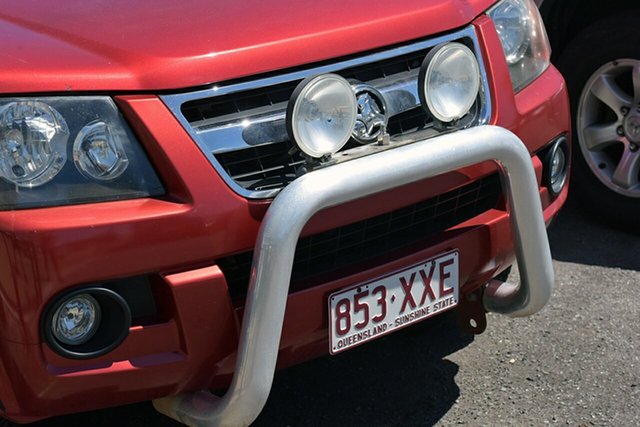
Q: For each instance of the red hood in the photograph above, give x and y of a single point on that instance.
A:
(81, 45)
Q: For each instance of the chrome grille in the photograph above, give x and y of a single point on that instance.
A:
(241, 129)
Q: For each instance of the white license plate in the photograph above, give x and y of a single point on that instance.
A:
(364, 312)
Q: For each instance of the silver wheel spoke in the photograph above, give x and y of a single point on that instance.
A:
(636, 84)
(626, 173)
(598, 137)
(607, 90)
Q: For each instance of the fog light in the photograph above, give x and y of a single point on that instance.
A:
(449, 82)
(86, 323)
(321, 114)
(76, 320)
(557, 166)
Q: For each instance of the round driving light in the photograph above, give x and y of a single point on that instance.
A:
(321, 114)
(76, 320)
(557, 166)
(449, 81)
(33, 143)
(98, 152)
(513, 25)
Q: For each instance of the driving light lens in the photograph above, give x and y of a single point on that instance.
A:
(76, 320)
(33, 137)
(449, 81)
(321, 114)
(98, 153)
(524, 40)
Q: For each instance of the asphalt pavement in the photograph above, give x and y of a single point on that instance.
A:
(576, 363)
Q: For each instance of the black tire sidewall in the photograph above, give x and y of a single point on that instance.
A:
(610, 39)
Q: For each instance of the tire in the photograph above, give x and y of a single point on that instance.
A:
(602, 61)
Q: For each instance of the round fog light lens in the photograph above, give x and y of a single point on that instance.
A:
(76, 320)
(321, 114)
(449, 81)
(558, 169)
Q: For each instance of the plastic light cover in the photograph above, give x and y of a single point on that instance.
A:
(98, 152)
(33, 146)
(321, 114)
(449, 81)
(524, 40)
(557, 167)
(69, 150)
(76, 320)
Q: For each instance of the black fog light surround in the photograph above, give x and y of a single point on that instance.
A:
(86, 323)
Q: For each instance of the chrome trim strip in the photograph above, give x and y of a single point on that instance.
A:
(299, 201)
(218, 139)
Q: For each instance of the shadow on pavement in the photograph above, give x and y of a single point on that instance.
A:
(374, 384)
(578, 237)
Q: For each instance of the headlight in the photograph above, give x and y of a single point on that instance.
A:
(524, 40)
(449, 81)
(321, 114)
(33, 147)
(69, 150)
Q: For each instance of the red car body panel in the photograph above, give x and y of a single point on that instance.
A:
(176, 239)
(137, 45)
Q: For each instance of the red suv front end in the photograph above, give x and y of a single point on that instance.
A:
(142, 147)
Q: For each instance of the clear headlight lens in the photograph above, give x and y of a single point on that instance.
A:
(449, 81)
(33, 138)
(321, 114)
(69, 150)
(98, 153)
(524, 40)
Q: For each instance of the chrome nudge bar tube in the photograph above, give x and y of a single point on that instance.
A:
(298, 202)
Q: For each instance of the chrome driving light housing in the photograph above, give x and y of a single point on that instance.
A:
(321, 115)
(69, 150)
(76, 320)
(523, 38)
(449, 82)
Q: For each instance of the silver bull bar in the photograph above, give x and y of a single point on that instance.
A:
(323, 188)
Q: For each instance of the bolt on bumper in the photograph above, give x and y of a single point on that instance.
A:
(323, 188)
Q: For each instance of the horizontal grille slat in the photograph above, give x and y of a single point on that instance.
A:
(323, 253)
